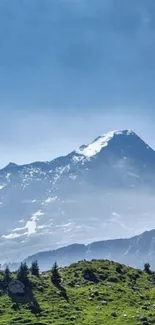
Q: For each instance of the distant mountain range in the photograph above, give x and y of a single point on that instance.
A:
(135, 251)
(103, 190)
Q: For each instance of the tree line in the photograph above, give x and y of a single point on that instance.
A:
(24, 271)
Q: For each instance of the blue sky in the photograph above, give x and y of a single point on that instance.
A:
(71, 70)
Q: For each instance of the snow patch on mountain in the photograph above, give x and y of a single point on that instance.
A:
(31, 224)
(55, 178)
(77, 158)
(63, 169)
(11, 236)
(95, 147)
(2, 186)
(50, 199)
(8, 177)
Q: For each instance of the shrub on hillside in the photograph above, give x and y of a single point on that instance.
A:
(147, 268)
(119, 268)
(113, 279)
(89, 274)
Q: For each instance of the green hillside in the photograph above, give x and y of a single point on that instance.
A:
(91, 293)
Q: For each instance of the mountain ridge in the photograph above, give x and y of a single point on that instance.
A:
(109, 135)
(134, 251)
(75, 198)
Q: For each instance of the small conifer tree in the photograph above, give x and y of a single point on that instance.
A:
(22, 274)
(55, 275)
(7, 274)
(35, 268)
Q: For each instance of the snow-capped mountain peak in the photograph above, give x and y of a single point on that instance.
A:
(95, 147)
(91, 194)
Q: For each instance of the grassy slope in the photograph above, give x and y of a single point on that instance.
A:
(130, 294)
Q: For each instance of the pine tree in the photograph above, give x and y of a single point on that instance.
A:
(22, 274)
(55, 276)
(35, 268)
(7, 274)
(147, 268)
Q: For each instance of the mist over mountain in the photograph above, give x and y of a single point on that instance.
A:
(134, 251)
(103, 190)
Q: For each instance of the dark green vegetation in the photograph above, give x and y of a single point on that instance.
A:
(35, 268)
(55, 275)
(97, 292)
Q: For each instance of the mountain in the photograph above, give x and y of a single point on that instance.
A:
(96, 292)
(134, 251)
(103, 190)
